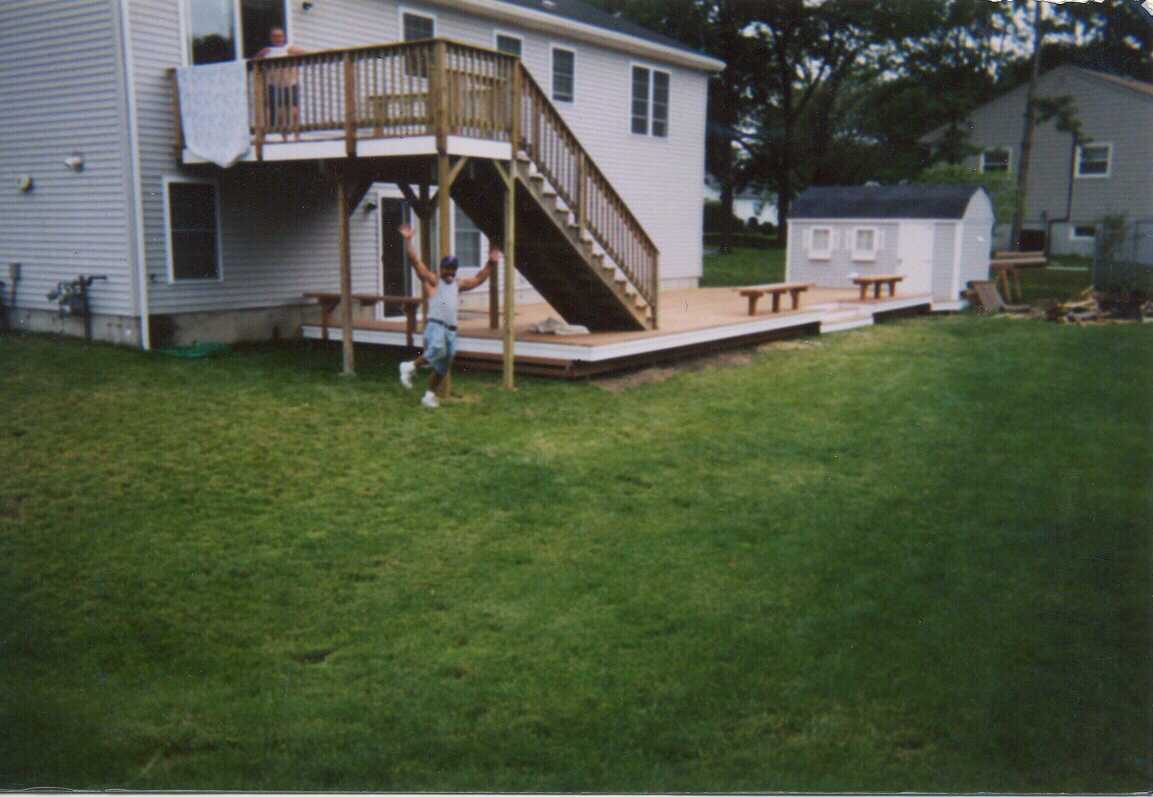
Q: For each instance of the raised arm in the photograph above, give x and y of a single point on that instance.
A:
(495, 258)
(426, 276)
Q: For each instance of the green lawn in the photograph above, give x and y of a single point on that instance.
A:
(912, 557)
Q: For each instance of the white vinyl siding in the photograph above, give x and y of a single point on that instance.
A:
(62, 93)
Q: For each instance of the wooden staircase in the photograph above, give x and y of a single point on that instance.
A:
(578, 244)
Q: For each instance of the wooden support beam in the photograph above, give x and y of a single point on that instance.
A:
(350, 110)
(343, 190)
(453, 174)
(509, 272)
(425, 246)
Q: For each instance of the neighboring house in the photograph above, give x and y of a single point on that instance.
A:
(226, 253)
(747, 204)
(936, 236)
(1071, 186)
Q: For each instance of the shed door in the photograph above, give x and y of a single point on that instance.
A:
(915, 257)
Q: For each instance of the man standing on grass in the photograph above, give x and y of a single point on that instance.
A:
(440, 326)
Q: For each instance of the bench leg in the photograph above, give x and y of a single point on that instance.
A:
(776, 302)
(864, 292)
(753, 304)
(409, 324)
(876, 290)
(795, 295)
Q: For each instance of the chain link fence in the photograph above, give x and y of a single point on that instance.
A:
(1123, 255)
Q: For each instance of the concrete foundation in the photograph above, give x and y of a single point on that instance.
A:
(123, 330)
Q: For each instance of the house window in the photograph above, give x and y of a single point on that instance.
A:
(466, 239)
(193, 213)
(1083, 232)
(563, 74)
(417, 27)
(820, 243)
(217, 27)
(507, 43)
(1093, 160)
(650, 106)
(996, 160)
(866, 242)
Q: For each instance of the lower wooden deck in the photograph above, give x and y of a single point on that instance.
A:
(693, 321)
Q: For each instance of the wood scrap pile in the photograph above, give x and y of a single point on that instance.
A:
(1092, 307)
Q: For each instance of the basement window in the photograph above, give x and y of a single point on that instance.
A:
(1083, 232)
(820, 243)
(997, 160)
(192, 209)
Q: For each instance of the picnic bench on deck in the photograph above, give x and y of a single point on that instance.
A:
(776, 290)
(329, 301)
(876, 281)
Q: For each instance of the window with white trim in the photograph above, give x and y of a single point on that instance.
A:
(507, 43)
(866, 242)
(650, 102)
(1094, 160)
(996, 160)
(563, 74)
(1083, 232)
(192, 208)
(466, 239)
(820, 243)
(216, 28)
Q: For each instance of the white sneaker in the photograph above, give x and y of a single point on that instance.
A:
(406, 370)
(429, 400)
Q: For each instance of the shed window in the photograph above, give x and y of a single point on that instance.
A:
(193, 231)
(1083, 232)
(563, 74)
(866, 241)
(996, 160)
(820, 243)
(1093, 160)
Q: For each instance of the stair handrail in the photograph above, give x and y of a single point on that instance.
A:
(643, 275)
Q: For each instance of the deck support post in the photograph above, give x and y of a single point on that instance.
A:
(344, 189)
(508, 340)
(444, 227)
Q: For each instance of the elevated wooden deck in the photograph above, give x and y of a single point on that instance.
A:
(694, 321)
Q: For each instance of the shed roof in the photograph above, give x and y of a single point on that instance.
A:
(884, 202)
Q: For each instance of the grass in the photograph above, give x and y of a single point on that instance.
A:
(914, 557)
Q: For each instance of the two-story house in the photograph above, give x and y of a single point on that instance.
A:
(1072, 184)
(602, 121)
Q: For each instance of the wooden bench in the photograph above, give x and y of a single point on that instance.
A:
(329, 301)
(875, 282)
(776, 290)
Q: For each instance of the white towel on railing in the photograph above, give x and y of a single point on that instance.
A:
(214, 110)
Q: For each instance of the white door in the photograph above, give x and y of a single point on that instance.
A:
(915, 257)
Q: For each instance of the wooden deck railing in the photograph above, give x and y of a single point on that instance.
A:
(441, 88)
(598, 208)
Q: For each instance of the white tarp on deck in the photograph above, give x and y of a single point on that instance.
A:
(214, 111)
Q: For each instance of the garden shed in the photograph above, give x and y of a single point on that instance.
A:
(938, 237)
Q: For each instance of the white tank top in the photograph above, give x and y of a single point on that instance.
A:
(442, 305)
